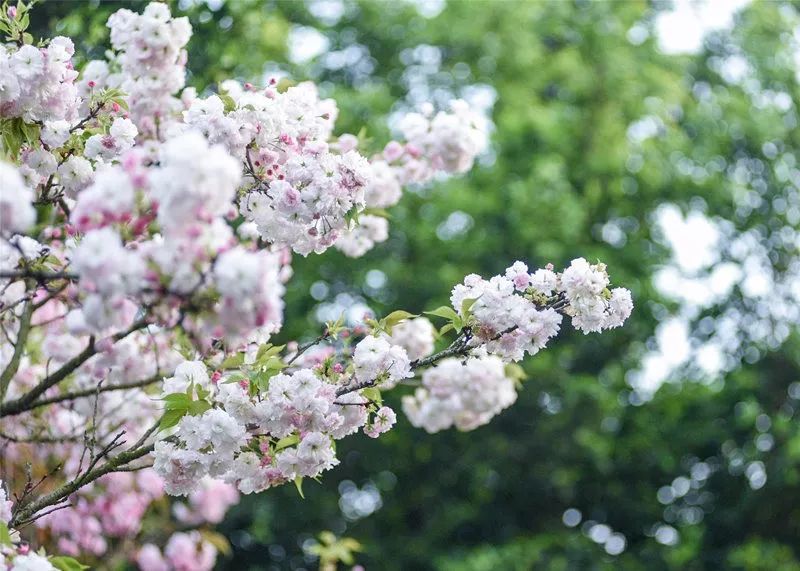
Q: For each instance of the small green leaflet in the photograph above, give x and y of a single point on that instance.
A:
(5, 535)
(387, 323)
(298, 483)
(448, 313)
(467, 304)
(373, 394)
(171, 418)
(63, 563)
(444, 311)
(233, 362)
(287, 441)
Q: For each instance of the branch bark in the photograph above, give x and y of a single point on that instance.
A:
(24, 402)
(27, 512)
(19, 349)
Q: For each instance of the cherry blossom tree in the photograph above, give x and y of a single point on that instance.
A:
(146, 239)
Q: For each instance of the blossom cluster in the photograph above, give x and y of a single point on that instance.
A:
(255, 443)
(38, 84)
(509, 316)
(151, 60)
(519, 312)
(462, 393)
(443, 143)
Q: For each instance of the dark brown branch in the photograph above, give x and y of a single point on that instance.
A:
(89, 392)
(24, 402)
(26, 512)
(19, 348)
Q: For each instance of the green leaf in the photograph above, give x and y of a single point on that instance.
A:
(176, 401)
(445, 328)
(287, 441)
(233, 362)
(198, 407)
(467, 304)
(274, 364)
(171, 418)
(381, 212)
(234, 378)
(5, 534)
(373, 394)
(352, 216)
(298, 483)
(268, 350)
(444, 311)
(64, 563)
(217, 540)
(227, 100)
(515, 371)
(396, 317)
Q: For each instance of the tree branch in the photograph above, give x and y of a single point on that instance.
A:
(39, 276)
(24, 402)
(89, 392)
(19, 349)
(28, 511)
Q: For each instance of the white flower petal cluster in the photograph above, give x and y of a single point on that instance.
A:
(251, 290)
(415, 335)
(584, 286)
(383, 421)
(307, 206)
(509, 323)
(17, 213)
(215, 434)
(152, 62)
(450, 141)
(186, 374)
(5, 505)
(120, 138)
(37, 84)
(300, 401)
(75, 173)
(360, 239)
(194, 182)
(109, 273)
(110, 198)
(376, 359)
(461, 393)
(518, 312)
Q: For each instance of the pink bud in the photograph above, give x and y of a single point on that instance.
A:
(12, 12)
(92, 84)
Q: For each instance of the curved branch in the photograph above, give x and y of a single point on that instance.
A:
(90, 392)
(28, 512)
(24, 402)
(39, 276)
(19, 349)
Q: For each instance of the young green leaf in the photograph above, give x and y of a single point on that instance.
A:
(171, 418)
(445, 312)
(287, 441)
(64, 563)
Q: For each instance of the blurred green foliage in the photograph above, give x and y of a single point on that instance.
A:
(570, 79)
